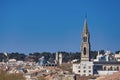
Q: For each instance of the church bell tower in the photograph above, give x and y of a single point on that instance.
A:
(85, 46)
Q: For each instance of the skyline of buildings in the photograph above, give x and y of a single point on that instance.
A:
(101, 65)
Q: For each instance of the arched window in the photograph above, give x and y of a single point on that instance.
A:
(118, 68)
(105, 68)
(84, 51)
(111, 68)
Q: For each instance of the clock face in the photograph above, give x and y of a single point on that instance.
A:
(84, 39)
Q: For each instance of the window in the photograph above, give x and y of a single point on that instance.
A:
(84, 71)
(78, 67)
(105, 68)
(84, 74)
(84, 67)
(79, 71)
(89, 74)
(89, 71)
(111, 68)
(84, 51)
(117, 67)
(89, 67)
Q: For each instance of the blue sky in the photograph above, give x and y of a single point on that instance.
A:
(56, 25)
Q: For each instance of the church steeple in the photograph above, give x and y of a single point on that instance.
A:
(85, 47)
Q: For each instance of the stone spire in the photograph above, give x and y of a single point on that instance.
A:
(85, 47)
(85, 29)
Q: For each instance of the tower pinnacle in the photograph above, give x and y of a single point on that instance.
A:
(85, 29)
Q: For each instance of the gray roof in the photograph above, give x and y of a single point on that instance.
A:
(107, 63)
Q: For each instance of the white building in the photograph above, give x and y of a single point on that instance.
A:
(58, 58)
(84, 68)
(117, 56)
(108, 56)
